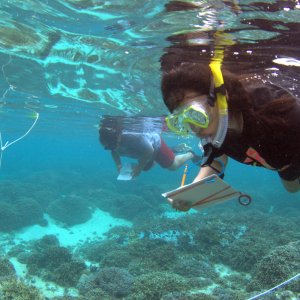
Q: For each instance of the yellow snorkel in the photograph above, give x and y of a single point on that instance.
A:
(219, 88)
(180, 120)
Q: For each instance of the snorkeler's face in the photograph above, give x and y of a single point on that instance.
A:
(110, 138)
(113, 144)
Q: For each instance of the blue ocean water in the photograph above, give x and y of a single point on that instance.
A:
(68, 227)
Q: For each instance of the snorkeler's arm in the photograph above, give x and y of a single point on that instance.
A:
(142, 162)
(216, 167)
(140, 166)
(117, 159)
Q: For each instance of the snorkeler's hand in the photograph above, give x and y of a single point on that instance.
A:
(181, 205)
(136, 170)
(196, 159)
(119, 167)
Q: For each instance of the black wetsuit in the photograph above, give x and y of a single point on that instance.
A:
(259, 146)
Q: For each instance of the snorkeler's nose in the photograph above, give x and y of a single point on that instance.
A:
(198, 131)
(195, 128)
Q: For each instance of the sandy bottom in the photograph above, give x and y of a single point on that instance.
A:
(74, 236)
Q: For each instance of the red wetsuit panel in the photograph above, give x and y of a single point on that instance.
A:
(165, 156)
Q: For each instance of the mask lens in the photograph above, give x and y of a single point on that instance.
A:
(196, 115)
(180, 121)
(175, 124)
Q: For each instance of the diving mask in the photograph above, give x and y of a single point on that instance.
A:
(179, 122)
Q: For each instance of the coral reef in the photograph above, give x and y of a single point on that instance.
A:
(133, 207)
(96, 294)
(127, 206)
(8, 217)
(7, 270)
(70, 210)
(52, 262)
(17, 290)
(155, 285)
(188, 296)
(19, 213)
(160, 256)
(116, 282)
(117, 258)
(228, 294)
(194, 266)
(229, 252)
(279, 265)
(242, 243)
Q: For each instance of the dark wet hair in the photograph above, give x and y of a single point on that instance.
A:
(185, 77)
(266, 103)
(109, 138)
(197, 78)
(109, 132)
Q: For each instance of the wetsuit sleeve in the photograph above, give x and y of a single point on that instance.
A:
(291, 173)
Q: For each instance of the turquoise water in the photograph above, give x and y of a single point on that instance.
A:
(64, 64)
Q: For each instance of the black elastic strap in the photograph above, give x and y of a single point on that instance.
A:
(219, 173)
(221, 89)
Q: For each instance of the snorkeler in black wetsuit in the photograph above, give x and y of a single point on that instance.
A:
(263, 129)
